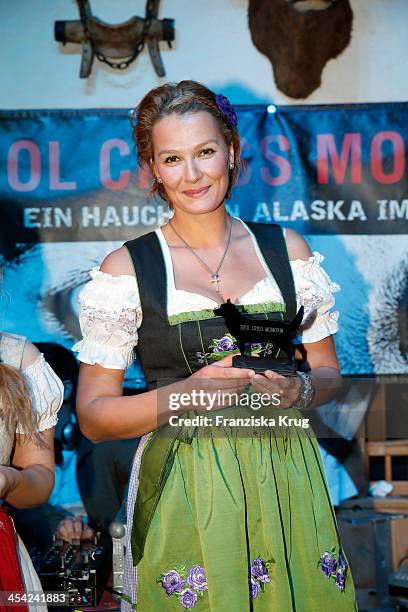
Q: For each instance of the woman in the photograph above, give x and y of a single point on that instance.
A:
(30, 397)
(219, 523)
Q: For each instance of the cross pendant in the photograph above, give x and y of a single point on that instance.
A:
(216, 279)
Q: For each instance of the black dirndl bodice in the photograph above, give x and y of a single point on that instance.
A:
(171, 348)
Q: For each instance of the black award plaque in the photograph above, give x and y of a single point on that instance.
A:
(276, 338)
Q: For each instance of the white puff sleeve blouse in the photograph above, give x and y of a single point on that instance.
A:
(315, 291)
(109, 316)
(46, 391)
(110, 310)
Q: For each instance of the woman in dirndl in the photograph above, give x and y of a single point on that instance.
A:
(216, 520)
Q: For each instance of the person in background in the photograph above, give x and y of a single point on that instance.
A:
(90, 479)
(30, 397)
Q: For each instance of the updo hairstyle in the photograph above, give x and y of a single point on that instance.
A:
(181, 98)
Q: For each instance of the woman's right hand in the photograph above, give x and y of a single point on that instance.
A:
(223, 368)
(216, 386)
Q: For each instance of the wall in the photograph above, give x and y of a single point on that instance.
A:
(212, 45)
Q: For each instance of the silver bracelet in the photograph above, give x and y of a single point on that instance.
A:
(307, 391)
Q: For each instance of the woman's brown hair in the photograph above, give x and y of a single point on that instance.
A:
(180, 98)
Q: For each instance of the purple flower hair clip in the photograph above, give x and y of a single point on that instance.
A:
(226, 111)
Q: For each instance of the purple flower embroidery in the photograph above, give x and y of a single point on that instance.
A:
(328, 564)
(197, 578)
(187, 591)
(336, 569)
(226, 344)
(253, 588)
(259, 570)
(188, 598)
(226, 111)
(259, 576)
(223, 345)
(341, 579)
(172, 582)
(342, 563)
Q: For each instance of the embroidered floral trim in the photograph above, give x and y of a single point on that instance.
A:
(259, 576)
(221, 347)
(254, 588)
(187, 590)
(334, 568)
(188, 598)
(190, 589)
(227, 345)
(197, 578)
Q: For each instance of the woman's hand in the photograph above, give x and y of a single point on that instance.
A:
(215, 386)
(286, 387)
(223, 369)
(73, 528)
(8, 480)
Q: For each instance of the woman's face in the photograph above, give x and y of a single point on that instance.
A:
(192, 159)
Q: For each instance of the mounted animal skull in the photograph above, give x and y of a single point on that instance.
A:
(299, 37)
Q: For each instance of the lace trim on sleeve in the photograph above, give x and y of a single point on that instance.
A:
(315, 291)
(109, 315)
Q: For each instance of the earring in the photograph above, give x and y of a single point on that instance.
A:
(231, 165)
(158, 179)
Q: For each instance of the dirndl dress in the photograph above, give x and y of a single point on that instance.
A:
(215, 523)
(233, 522)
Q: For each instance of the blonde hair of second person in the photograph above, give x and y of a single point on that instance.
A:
(29, 479)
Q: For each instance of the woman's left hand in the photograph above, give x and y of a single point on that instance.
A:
(287, 388)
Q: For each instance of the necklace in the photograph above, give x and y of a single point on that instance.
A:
(215, 277)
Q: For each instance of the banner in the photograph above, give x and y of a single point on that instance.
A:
(71, 191)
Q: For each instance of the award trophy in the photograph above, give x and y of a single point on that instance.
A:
(277, 352)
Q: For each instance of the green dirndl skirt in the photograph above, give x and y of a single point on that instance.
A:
(245, 523)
